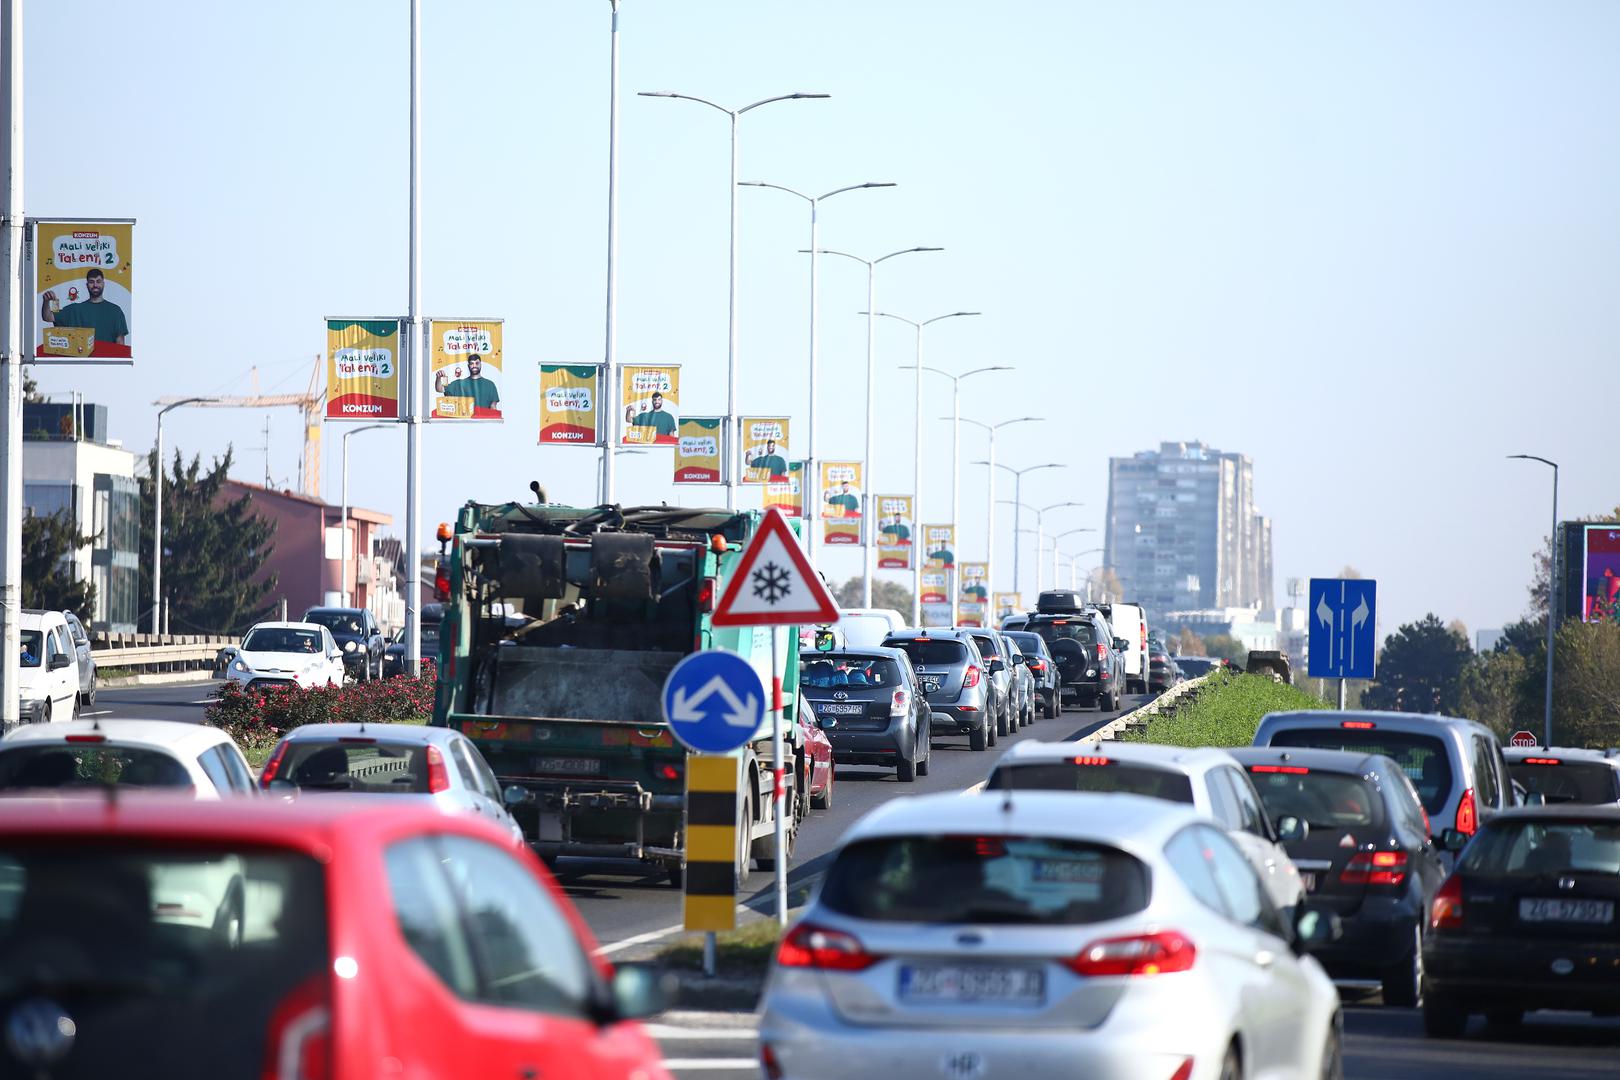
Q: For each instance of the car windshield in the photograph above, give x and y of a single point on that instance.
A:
(1066, 630)
(1422, 757)
(1323, 799)
(984, 879)
(931, 653)
(175, 962)
(339, 622)
(1567, 781)
(831, 669)
(88, 765)
(33, 648)
(1545, 847)
(281, 639)
(363, 765)
(1096, 774)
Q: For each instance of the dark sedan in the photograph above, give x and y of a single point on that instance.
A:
(394, 656)
(1038, 658)
(1366, 855)
(868, 705)
(1162, 671)
(356, 632)
(1527, 919)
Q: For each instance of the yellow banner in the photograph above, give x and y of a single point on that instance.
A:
(568, 403)
(895, 529)
(83, 291)
(651, 399)
(464, 357)
(788, 497)
(1008, 603)
(939, 546)
(973, 593)
(362, 369)
(841, 493)
(765, 449)
(697, 452)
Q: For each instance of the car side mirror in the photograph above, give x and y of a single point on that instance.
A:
(1453, 840)
(638, 991)
(60, 660)
(1314, 927)
(1292, 830)
(516, 795)
(1121, 645)
(997, 664)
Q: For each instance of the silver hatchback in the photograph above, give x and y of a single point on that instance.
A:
(955, 680)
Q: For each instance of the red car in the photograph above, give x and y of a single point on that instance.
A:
(146, 938)
(818, 749)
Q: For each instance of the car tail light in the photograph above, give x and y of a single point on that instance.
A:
(1387, 868)
(768, 1063)
(706, 596)
(971, 679)
(441, 583)
(1142, 954)
(1184, 1071)
(1446, 913)
(1467, 814)
(900, 703)
(273, 766)
(1291, 770)
(1358, 725)
(1092, 761)
(87, 738)
(438, 775)
(1527, 761)
(1036, 665)
(300, 1042)
(1102, 651)
(810, 946)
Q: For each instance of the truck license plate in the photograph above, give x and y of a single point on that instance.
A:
(573, 766)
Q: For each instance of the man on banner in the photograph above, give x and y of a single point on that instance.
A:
(662, 423)
(774, 465)
(483, 392)
(95, 313)
(845, 501)
(896, 532)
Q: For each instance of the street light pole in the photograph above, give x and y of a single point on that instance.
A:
(1552, 607)
(11, 358)
(990, 508)
(811, 482)
(867, 548)
(1018, 502)
(730, 470)
(157, 516)
(343, 519)
(610, 350)
(916, 462)
(1055, 540)
(414, 376)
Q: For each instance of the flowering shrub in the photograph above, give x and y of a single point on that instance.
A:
(258, 718)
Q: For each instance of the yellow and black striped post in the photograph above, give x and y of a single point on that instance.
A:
(711, 842)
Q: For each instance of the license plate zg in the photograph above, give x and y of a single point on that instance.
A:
(1596, 912)
(841, 708)
(573, 766)
(965, 984)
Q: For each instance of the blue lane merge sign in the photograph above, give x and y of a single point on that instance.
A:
(714, 701)
(1344, 628)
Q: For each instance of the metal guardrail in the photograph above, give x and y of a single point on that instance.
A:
(1138, 716)
(158, 652)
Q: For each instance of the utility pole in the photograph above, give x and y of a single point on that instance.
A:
(11, 354)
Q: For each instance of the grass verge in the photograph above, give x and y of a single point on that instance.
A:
(1226, 712)
(746, 950)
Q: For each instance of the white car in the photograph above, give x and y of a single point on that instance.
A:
(48, 669)
(1210, 780)
(287, 654)
(865, 628)
(167, 754)
(1039, 934)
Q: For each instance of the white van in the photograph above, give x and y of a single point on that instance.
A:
(48, 670)
(1129, 621)
(865, 628)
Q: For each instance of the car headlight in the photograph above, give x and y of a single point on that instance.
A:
(237, 665)
(348, 646)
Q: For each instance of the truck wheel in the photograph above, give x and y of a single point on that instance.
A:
(677, 876)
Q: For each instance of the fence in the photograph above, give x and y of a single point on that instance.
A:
(148, 653)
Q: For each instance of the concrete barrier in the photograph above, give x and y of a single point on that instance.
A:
(1139, 716)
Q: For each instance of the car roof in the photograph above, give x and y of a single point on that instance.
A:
(944, 633)
(1606, 812)
(1573, 753)
(1118, 820)
(1411, 723)
(405, 733)
(334, 610)
(168, 734)
(872, 652)
(284, 626)
(1187, 758)
(33, 620)
(1340, 761)
(884, 612)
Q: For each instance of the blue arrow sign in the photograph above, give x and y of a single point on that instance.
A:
(714, 701)
(1343, 614)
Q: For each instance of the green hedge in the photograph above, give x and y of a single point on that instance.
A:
(257, 719)
(1225, 712)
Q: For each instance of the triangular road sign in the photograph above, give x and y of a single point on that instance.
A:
(773, 583)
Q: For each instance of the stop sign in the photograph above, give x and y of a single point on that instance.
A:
(1524, 738)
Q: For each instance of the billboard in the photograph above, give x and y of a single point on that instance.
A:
(788, 496)
(697, 450)
(568, 404)
(1600, 573)
(765, 449)
(651, 398)
(464, 357)
(973, 594)
(1007, 603)
(841, 493)
(936, 586)
(939, 546)
(82, 292)
(895, 526)
(362, 369)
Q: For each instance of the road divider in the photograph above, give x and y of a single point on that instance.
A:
(1138, 717)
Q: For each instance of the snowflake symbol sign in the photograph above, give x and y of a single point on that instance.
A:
(771, 584)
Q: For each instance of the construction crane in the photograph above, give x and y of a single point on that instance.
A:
(312, 401)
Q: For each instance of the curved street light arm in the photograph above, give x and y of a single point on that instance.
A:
(799, 96)
(686, 97)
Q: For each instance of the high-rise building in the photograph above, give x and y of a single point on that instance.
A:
(1182, 531)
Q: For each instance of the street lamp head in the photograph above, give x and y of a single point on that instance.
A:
(656, 93)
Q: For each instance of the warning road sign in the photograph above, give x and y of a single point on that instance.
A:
(1524, 738)
(774, 583)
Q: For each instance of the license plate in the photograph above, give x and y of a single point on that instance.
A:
(963, 1065)
(1570, 911)
(952, 984)
(574, 766)
(931, 683)
(841, 708)
(1308, 880)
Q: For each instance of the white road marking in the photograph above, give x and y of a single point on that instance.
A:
(667, 1031)
(709, 1064)
(98, 712)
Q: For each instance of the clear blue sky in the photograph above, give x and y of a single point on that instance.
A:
(1375, 246)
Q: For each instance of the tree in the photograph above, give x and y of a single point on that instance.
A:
(1586, 685)
(885, 594)
(31, 394)
(49, 543)
(1226, 647)
(1420, 669)
(212, 549)
(1492, 691)
(1188, 643)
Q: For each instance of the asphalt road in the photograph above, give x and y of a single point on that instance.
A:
(167, 701)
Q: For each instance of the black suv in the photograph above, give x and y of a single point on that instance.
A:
(1090, 660)
(357, 634)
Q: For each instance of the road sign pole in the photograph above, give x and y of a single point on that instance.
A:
(1341, 695)
(780, 774)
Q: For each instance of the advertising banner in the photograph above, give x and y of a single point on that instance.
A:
(764, 449)
(895, 526)
(697, 450)
(973, 596)
(939, 545)
(788, 497)
(1600, 576)
(568, 404)
(936, 585)
(1007, 603)
(651, 399)
(82, 292)
(841, 493)
(362, 369)
(936, 614)
(464, 357)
